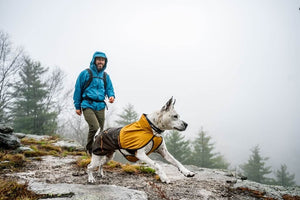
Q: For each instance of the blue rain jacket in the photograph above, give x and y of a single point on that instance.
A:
(95, 90)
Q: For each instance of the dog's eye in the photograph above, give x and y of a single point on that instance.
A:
(175, 116)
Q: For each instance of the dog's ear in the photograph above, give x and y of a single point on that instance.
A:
(168, 105)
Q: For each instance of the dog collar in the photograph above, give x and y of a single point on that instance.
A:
(156, 129)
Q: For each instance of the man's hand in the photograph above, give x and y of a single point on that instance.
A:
(111, 99)
(78, 112)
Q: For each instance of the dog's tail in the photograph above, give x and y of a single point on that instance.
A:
(97, 133)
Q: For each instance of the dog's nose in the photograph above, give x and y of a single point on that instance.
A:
(185, 124)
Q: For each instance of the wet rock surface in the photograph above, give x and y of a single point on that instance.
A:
(90, 192)
(69, 144)
(62, 177)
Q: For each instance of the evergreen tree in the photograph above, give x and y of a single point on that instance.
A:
(255, 168)
(203, 155)
(128, 116)
(284, 178)
(30, 113)
(220, 162)
(178, 147)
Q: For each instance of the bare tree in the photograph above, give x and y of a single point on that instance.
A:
(56, 98)
(10, 62)
(71, 125)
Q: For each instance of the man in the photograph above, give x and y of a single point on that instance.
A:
(89, 96)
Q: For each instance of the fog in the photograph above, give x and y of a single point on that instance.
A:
(233, 66)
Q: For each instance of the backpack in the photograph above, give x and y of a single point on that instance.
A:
(91, 78)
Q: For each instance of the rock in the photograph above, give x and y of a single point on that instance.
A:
(37, 137)
(22, 149)
(9, 141)
(20, 135)
(273, 191)
(69, 145)
(6, 129)
(91, 192)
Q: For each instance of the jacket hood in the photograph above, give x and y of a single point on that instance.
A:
(98, 54)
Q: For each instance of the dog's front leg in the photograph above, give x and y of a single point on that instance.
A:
(105, 160)
(140, 154)
(162, 150)
(95, 161)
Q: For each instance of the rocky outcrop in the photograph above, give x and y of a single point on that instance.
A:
(61, 179)
(7, 139)
(90, 192)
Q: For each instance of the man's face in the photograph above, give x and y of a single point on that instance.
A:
(99, 62)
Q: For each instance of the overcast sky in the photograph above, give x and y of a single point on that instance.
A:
(233, 66)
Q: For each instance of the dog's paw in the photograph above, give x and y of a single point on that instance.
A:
(190, 174)
(166, 180)
(187, 173)
(91, 179)
(101, 175)
(163, 178)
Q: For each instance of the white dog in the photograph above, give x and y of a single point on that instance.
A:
(137, 140)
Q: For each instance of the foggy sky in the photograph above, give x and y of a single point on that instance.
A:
(233, 66)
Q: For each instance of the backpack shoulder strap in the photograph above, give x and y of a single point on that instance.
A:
(104, 80)
(89, 80)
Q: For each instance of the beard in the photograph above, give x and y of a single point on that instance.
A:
(99, 67)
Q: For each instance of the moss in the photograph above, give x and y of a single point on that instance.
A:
(114, 164)
(76, 153)
(49, 147)
(146, 170)
(28, 141)
(34, 153)
(131, 169)
(83, 161)
(34, 147)
(10, 189)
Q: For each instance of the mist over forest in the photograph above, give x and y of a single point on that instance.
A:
(233, 68)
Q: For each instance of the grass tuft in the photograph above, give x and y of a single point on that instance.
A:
(10, 189)
(83, 161)
(11, 161)
(114, 164)
(146, 170)
(130, 169)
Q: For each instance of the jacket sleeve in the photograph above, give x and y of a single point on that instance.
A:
(78, 90)
(109, 88)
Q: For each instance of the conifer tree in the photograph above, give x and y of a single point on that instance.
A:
(128, 116)
(283, 177)
(203, 155)
(178, 147)
(30, 113)
(255, 169)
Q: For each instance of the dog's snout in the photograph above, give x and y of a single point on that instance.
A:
(185, 124)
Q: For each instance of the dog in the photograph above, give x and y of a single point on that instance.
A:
(137, 140)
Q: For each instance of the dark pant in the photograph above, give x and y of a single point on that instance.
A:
(95, 120)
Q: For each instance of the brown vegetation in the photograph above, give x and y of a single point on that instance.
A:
(10, 189)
